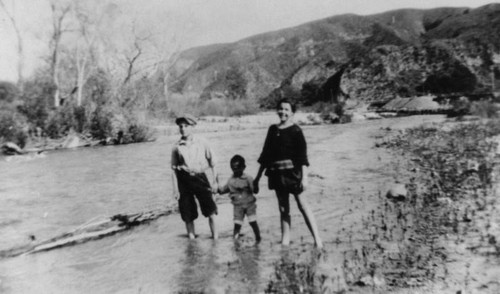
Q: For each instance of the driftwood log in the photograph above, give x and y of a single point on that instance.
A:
(93, 231)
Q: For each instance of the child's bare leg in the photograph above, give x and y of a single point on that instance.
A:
(256, 231)
(190, 230)
(213, 227)
(236, 231)
(309, 218)
(284, 205)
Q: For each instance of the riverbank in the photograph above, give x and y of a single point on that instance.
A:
(438, 235)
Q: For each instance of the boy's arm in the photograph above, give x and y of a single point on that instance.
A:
(174, 163)
(175, 187)
(215, 181)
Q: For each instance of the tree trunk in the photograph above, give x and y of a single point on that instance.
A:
(20, 49)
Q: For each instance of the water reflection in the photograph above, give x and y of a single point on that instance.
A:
(199, 267)
(247, 268)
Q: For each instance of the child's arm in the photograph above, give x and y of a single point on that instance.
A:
(223, 189)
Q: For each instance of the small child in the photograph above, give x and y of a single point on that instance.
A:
(240, 188)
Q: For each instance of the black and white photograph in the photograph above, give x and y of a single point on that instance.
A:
(250, 146)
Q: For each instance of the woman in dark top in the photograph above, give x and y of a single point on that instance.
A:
(284, 157)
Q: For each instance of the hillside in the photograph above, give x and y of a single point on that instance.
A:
(396, 53)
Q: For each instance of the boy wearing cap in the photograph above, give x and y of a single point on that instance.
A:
(191, 158)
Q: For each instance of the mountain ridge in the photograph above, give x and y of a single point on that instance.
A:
(402, 52)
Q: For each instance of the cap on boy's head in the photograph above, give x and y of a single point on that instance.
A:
(239, 159)
(186, 118)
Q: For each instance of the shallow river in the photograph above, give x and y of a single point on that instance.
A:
(50, 195)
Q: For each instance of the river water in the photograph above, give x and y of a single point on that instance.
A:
(46, 196)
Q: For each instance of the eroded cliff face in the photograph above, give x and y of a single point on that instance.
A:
(403, 52)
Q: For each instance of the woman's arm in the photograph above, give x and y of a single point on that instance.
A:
(305, 179)
(257, 179)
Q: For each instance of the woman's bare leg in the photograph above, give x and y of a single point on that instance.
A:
(309, 218)
(284, 205)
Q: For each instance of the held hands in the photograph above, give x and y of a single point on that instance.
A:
(256, 186)
(305, 183)
(177, 195)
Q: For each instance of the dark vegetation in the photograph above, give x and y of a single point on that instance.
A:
(28, 117)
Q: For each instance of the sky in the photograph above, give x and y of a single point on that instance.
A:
(202, 22)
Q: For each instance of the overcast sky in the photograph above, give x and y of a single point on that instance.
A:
(207, 21)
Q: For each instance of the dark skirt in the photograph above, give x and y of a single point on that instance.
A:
(286, 180)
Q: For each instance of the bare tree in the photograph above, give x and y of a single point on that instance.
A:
(59, 14)
(132, 55)
(20, 50)
(85, 45)
(167, 56)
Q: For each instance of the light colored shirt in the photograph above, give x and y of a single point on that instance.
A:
(192, 155)
(240, 189)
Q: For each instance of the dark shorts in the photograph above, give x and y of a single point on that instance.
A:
(286, 180)
(191, 186)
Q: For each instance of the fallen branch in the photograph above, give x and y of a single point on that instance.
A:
(93, 231)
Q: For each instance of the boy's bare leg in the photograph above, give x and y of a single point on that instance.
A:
(213, 227)
(256, 231)
(236, 231)
(190, 230)
(310, 219)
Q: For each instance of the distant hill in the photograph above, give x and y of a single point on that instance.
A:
(397, 53)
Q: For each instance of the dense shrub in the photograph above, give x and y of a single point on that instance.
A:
(37, 100)
(12, 128)
(137, 133)
(8, 92)
(101, 124)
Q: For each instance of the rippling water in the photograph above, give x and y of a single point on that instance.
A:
(44, 197)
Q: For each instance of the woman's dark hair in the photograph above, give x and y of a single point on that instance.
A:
(286, 100)
(238, 158)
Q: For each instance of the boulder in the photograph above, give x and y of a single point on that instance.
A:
(72, 141)
(397, 192)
